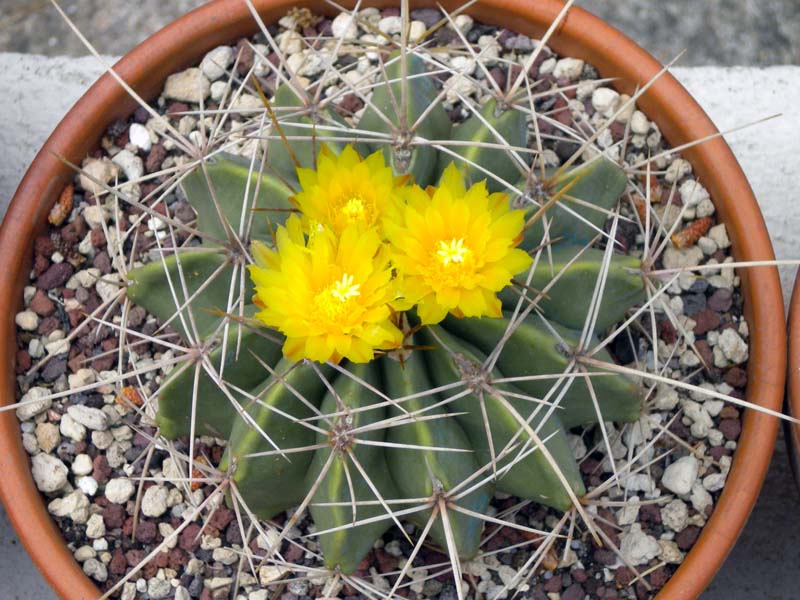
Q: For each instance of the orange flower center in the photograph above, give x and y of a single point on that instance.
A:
(452, 264)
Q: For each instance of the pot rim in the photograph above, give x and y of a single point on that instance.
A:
(186, 40)
(792, 430)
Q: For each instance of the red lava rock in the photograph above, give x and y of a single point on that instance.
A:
(623, 577)
(573, 592)
(580, 575)
(729, 412)
(146, 531)
(177, 559)
(736, 377)
(650, 513)
(42, 305)
(721, 300)
(155, 157)
(175, 109)
(161, 559)
(101, 470)
(206, 594)
(667, 332)
(553, 584)
(189, 539)
(499, 76)
(118, 564)
(386, 562)
(55, 276)
(718, 452)
(134, 557)
(44, 246)
(221, 517)
(604, 557)
(730, 428)
(113, 514)
(74, 232)
(350, 104)
(98, 238)
(706, 320)
(246, 56)
(617, 130)
(150, 569)
(705, 352)
(23, 361)
(40, 265)
(686, 538)
(659, 577)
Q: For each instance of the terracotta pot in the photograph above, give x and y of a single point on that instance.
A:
(681, 120)
(792, 431)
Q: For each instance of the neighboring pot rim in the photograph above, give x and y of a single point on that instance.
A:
(680, 119)
(792, 430)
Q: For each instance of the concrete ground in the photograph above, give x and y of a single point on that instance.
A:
(35, 92)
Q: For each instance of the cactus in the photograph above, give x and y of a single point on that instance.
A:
(443, 411)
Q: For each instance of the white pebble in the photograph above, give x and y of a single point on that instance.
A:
(74, 505)
(27, 320)
(733, 347)
(95, 215)
(154, 501)
(97, 171)
(692, 192)
(568, 68)
(390, 25)
(88, 485)
(719, 234)
(215, 62)
(140, 137)
(675, 515)
(226, 556)
(416, 30)
(638, 548)
(344, 27)
(187, 86)
(714, 482)
(119, 490)
(91, 418)
(639, 123)
(131, 165)
(95, 527)
(82, 378)
(605, 101)
(70, 428)
(677, 170)
(463, 23)
(34, 402)
(49, 473)
(680, 476)
(82, 464)
(95, 569)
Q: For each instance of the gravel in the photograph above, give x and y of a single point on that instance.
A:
(105, 441)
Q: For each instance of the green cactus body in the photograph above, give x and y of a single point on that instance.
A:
(533, 477)
(534, 350)
(504, 124)
(233, 192)
(419, 160)
(302, 142)
(346, 547)
(416, 471)
(273, 483)
(159, 288)
(599, 183)
(568, 300)
(214, 413)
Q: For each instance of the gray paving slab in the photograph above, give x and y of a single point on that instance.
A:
(714, 32)
(763, 565)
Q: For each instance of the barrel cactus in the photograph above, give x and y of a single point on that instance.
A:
(392, 314)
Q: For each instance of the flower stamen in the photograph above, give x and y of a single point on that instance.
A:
(344, 289)
(452, 251)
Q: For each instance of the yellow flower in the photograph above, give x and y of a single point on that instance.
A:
(329, 296)
(345, 190)
(455, 249)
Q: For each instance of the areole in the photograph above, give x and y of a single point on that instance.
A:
(581, 35)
